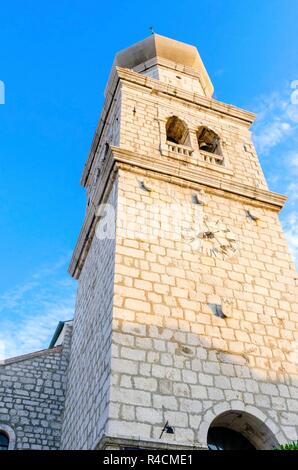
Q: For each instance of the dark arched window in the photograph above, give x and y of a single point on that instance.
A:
(220, 438)
(239, 430)
(209, 141)
(177, 131)
(4, 441)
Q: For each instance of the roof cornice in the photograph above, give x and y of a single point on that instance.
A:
(195, 98)
(33, 355)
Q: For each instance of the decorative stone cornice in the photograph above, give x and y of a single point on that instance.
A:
(168, 170)
(195, 175)
(194, 98)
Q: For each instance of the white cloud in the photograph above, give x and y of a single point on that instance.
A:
(291, 159)
(32, 333)
(290, 223)
(276, 120)
(11, 298)
(271, 134)
(275, 134)
(31, 312)
(292, 193)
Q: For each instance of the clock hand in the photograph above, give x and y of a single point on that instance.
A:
(223, 231)
(204, 220)
(209, 235)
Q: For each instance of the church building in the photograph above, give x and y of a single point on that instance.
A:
(185, 333)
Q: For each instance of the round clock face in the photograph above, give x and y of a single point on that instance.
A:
(215, 239)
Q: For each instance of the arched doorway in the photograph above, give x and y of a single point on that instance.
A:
(7, 437)
(239, 430)
(4, 441)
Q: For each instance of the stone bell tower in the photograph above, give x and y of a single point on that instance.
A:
(186, 325)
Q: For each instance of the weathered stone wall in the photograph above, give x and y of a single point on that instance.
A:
(32, 394)
(143, 130)
(173, 359)
(147, 326)
(89, 370)
(176, 78)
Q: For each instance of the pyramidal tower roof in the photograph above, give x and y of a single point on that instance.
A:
(161, 47)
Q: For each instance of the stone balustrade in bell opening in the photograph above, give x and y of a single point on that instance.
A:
(180, 149)
(212, 158)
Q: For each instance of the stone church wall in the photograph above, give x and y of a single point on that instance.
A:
(32, 394)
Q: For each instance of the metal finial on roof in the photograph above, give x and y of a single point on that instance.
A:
(151, 29)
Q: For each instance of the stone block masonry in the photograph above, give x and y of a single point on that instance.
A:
(32, 395)
(172, 358)
(89, 370)
(147, 346)
(167, 330)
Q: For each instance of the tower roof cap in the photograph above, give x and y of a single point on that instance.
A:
(164, 48)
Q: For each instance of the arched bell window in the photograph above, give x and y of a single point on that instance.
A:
(208, 141)
(177, 131)
(4, 441)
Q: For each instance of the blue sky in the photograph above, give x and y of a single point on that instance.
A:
(55, 58)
